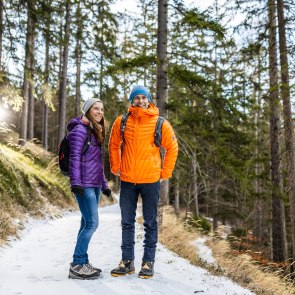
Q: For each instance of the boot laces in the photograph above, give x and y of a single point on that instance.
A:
(147, 265)
(86, 268)
(90, 266)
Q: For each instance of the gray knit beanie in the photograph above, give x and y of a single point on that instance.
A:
(88, 104)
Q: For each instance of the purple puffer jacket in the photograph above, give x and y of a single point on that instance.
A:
(86, 170)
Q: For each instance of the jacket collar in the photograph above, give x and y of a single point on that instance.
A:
(141, 112)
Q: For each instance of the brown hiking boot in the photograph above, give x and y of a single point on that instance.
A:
(126, 267)
(147, 270)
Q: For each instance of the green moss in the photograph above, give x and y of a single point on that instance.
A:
(27, 186)
(8, 179)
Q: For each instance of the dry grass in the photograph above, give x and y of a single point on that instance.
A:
(177, 239)
(241, 268)
(7, 227)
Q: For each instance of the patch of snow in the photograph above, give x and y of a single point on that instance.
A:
(204, 252)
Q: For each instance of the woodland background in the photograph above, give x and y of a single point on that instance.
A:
(223, 77)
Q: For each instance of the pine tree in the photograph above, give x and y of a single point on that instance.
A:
(64, 78)
(28, 78)
(288, 124)
(278, 229)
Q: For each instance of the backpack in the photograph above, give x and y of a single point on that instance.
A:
(64, 153)
(158, 129)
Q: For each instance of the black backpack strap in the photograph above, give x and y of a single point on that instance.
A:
(87, 142)
(158, 131)
(123, 125)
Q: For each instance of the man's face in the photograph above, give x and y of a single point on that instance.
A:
(141, 101)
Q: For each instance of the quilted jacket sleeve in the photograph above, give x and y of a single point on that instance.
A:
(169, 143)
(77, 137)
(115, 146)
(104, 182)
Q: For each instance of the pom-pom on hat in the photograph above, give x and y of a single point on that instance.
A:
(88, 104)
(139, 89)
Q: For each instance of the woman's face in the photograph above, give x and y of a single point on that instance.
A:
(96, 111)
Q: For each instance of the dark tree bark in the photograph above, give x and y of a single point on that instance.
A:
(257, 228)
(288, 125)
(195, 184)
(278, 230)
(31, 102)
(162, 65)
(176, 204)
(1, 31)
(78, 59)
(162, 80)
(215, 203)
(27, 74)
(46, 81)
(63, 81)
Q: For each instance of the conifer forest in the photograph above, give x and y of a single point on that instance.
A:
(223, 75)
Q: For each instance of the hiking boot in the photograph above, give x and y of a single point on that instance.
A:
(126, 267)
(83, 272)
(89, 265)
(147, 270)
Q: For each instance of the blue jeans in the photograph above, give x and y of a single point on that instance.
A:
(128, 203)
(88, 204)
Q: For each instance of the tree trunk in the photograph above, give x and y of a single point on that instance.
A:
(27, 77)
(195, 185)
(162, 64)
(78, 59)
(288, 125)
(1, 32)
(215, 203)
(31, 102)
(278, 247)
(46, 82)
(217, 119)
(45, 126)
(31, 113)
(176, 204)
(63, 82)
(257, 228)
(162, 80)
(101, 59)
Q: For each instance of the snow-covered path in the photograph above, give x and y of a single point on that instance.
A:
(38, 263)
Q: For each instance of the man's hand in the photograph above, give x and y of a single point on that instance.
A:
(107, 192)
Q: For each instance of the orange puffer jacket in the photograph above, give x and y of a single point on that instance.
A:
(140, 161)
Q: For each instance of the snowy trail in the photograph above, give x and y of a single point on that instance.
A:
(39, 262)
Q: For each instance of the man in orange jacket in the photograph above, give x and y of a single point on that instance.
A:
(140, 168)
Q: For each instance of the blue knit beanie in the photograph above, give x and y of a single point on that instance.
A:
(139, 89)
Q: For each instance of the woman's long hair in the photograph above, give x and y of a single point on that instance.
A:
(99, 129)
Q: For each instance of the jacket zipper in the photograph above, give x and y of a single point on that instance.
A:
(135, 139)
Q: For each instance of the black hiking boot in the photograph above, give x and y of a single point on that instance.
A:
(147, 270)
(83, 272)
(126, 267)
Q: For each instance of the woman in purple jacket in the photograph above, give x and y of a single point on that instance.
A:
(87, 180)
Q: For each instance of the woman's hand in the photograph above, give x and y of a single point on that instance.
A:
(77, 190)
